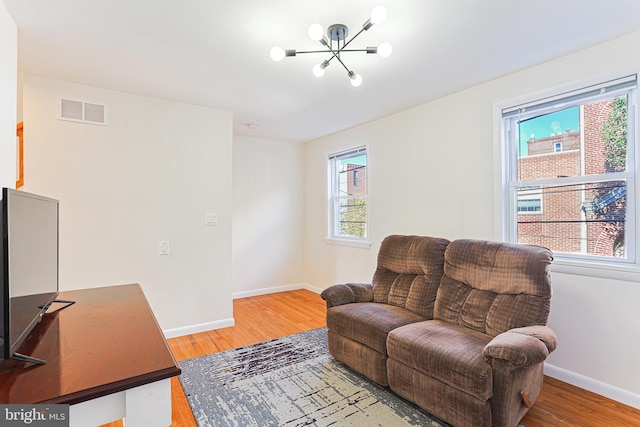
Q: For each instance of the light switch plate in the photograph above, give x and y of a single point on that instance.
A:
(211, 219)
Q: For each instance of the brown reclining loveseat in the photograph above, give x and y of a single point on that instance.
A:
(457, 328)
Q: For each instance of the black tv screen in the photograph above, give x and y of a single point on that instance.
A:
(28, 264)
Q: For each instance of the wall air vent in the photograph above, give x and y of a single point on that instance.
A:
(84, 112)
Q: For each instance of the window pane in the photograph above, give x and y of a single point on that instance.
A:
(578, 219)
(352, 176)
(560, 144)
(352, 214)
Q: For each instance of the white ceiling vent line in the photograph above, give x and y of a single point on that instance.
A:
(83, 112)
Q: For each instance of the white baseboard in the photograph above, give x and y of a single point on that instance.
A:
(313, 289)
(225, 323)
(202, 327)
(594, 386)
(274, 289)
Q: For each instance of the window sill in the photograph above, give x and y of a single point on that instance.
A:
(626, 272)
(362, 244)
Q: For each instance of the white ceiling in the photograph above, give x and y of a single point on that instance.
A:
(216, 53)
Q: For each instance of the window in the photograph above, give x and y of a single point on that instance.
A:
(558, 147)
(348, 195)
(529, 200)
(570, 173)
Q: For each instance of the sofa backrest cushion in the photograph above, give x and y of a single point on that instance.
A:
(409, 272)
(493, 287)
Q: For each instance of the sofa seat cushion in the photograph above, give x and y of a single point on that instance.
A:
(445, 351)
(369, 323)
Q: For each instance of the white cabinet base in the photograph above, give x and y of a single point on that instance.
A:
(143, 406)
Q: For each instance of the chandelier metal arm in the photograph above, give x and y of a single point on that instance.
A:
(298, 52)
(368, 50)
(340, 60)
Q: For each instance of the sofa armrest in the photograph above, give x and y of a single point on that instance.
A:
(522, 347)
(347, 293)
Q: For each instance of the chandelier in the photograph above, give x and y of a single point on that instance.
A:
(335, 43)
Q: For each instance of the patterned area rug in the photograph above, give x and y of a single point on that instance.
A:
(290, 381)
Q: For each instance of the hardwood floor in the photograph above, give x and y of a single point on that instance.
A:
(276, 315)
(259, 318)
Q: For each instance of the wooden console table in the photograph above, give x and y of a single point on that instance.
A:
(106, 357)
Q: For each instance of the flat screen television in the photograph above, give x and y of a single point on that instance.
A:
(28, 267)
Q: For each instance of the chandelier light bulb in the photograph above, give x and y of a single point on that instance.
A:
(378, 14)
(356, 79)
(385, 49)
(316, 32)
(318, 70)
(277, 53)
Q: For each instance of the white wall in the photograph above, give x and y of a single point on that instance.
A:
(8, 98)
(150, 175)
(267, 215)
(433, 171)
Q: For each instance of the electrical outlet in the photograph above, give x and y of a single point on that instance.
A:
(165, 248)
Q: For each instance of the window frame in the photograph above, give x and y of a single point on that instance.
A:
(332, 233)
(571, 263)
